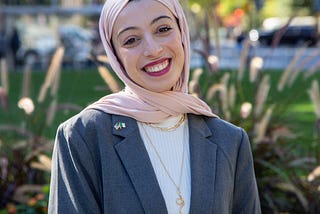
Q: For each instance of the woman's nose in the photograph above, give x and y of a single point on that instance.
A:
(152, 47)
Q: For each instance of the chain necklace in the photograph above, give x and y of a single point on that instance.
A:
(180, 200)
(170, 128)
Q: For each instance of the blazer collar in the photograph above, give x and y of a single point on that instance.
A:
(135, 158)
(203, 165)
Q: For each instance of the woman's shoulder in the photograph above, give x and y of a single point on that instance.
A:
(223, 125)
(87, 119)
(218, 126)
(224, 134)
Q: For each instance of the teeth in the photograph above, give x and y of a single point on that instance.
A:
(157, 67)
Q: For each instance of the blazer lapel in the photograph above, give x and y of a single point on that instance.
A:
(203, 165)
(136, 161)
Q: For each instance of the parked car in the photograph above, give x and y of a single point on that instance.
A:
(37, 45)
(78, 44)
(291, 35)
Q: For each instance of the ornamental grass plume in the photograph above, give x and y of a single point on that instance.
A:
(288, 71)
(56, 81)
(232, 95)
(196, 74)
(4, 164)
(4, 102)
(43, 163)
(243, 58)
(314, 94)
(26, 79)
(214, 88)
(292, 188)
(106, 74)
(312, 70)
(261, 127)
(261, 96)
(256, 65)
(302, 64)
(52, 75)
(51, 112)
(282, 131)
(194, 87)
(224, 95)
(22, 193)
(108, 79)
(221, 90)
(4, 75)
(314, 174)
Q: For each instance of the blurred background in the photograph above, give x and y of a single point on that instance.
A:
(255, 62)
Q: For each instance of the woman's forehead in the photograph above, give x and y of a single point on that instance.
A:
(140, 12)
(144, 8)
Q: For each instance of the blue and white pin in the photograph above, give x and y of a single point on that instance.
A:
(119, 125)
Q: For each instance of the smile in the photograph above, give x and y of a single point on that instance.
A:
(157, 67)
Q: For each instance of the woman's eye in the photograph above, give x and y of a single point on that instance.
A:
(130, 41)
(164, 29)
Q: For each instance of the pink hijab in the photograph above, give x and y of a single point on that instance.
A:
(135, 101)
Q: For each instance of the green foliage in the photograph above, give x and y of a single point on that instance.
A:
(281, 125)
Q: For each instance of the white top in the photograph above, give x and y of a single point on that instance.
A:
(170, 145)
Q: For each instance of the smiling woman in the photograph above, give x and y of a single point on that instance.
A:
(149, 46)
(151, 148)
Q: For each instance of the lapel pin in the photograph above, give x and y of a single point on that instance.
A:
(119, 125)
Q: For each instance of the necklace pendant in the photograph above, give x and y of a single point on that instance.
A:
(180, 202)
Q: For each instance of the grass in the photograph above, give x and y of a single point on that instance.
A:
(76, 87)
(82, 87)
(293, 103)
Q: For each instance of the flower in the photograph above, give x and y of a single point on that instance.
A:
(245, 110)
(214, 62)
(26, 104)
(256, 65)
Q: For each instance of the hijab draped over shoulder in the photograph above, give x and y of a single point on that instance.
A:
(135, 101)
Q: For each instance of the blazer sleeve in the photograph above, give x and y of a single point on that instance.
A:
(246, 197)
(74, 186)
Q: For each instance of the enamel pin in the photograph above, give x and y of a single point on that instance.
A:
(119, 125)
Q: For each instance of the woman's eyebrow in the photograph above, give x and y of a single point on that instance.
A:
(126, 29)
(161, 17)
(153, 21)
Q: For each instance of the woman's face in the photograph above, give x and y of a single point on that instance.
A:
(147, 41)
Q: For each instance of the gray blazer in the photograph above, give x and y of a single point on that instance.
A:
(99, 169)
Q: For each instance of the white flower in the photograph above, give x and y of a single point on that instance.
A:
(256, 65)
(26, 104)
(245, 109)
(214, 62)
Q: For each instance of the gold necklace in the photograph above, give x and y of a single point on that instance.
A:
(170, 128)
(180, 200)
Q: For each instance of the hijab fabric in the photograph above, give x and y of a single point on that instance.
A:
(135, 101)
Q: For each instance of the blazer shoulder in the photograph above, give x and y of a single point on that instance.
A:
(228, 137)
(222, 127)
(87, 122)
(87, 118)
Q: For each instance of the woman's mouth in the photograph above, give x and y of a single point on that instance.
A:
(157, 68)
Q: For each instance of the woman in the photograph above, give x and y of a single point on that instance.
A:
(151, 148)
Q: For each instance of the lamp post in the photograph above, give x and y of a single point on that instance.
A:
(316, 7)
(259, 4)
